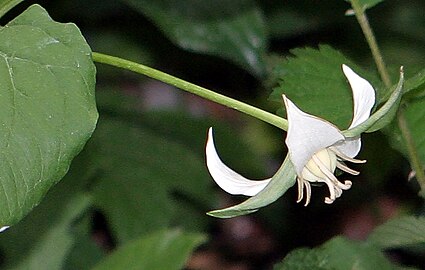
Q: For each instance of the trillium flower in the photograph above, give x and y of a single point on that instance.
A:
(316, 148)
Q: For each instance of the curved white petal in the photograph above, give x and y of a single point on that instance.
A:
(363, 96)
(2, 229)
(350, 147)
(307, 135)
(229, 180)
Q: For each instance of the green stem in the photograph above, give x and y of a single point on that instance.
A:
(411, 149)
(7, 5)
(371, 41)
(415, 161)
(192, 88)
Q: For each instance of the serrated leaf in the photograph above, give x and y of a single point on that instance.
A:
(47, 107)
(399, 232)
(313, 80)
(338, 253)
(234, 30)
(279, 184)
(156, 251)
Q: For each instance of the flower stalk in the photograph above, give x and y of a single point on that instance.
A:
(192, 88)
(415, 161)
(371, 41)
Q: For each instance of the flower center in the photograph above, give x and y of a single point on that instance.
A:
(321, 168)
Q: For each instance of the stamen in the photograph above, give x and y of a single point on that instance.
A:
(329, 174)
(308, 189)
(338, 192)
(345, 157)
(300, 181)
(344, 168)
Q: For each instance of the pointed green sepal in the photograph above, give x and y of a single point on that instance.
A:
(279, 184)
(383, 116)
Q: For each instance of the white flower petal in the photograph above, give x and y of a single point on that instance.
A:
(229, 180)
(350, 147)
(307, 135)
(363, 96)
(2, 229)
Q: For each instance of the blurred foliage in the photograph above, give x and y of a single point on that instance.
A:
(143, 170)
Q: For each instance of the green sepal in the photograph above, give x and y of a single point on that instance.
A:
(279, 184)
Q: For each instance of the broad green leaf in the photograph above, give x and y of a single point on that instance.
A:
(366, 4)
(47, 107)
(399, 232)
(338, 253)
(46, 236)
(156, 251)
(279, 184)
(146, 182)
(234, 30)
(314, 81)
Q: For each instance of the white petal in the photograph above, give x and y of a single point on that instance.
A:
(2, 229)
(363, 96)
(307, 135)
(350, 147)
(229, 180)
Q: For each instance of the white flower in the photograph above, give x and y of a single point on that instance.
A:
(316, 148)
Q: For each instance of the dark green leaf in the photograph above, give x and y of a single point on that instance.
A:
(314, 81)
(156, 251)
(43, 239)
(414, 114)
(234, 30)
(338, 253)
(399, 232)
(147, 182)
(47, 107)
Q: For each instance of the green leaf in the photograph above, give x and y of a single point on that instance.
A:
(234, 30)
(338, 253)
(146, 182)
(399, 232)
(6, 5)
(366, 4)
(46, 236)
(279, 184)
(156, 251)
(414, 113)
(84, 254)
(314, 81)
(47, 107)
(54, 239)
